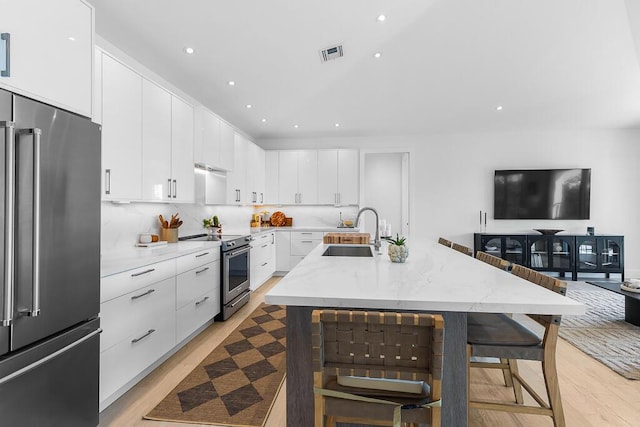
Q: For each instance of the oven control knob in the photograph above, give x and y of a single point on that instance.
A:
(232, 244)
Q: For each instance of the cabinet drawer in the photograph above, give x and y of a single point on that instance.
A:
(122, 283)
(262, 238)
(261, 272)
(196, 259)
(304, 246)
(306, 235)
(122, 362)
(197, 313)
(261, 253)
(123, 317)
(196, 282)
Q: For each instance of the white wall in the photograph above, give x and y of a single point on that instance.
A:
(451, 179)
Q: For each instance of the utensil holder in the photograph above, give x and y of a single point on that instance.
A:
(169, 235)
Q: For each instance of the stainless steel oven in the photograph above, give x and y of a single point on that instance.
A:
(234, 271)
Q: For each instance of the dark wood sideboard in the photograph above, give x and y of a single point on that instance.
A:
(560, 253)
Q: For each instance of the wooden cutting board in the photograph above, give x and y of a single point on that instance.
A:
(353, 238)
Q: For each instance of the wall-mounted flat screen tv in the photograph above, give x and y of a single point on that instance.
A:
(542, 194)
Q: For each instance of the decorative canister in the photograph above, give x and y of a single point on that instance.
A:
(169, 235)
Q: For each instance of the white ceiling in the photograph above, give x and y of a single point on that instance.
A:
(445, 67)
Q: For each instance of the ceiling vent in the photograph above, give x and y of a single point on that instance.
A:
(332, 52)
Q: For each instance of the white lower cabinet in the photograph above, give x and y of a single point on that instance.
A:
(149, 311)
(197, 291)
(262, 259)
(293, 246)
(138, 328)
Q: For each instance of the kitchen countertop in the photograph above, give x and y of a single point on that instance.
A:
(135, 257)
(434, 277)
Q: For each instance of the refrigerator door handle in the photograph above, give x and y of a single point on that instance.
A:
(35, 248)
(49, 357)
(6, 317)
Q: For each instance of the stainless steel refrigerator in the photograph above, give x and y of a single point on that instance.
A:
(50, 268)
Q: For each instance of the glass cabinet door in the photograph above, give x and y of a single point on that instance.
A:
(588, 255)
(561, 251)
(610, 254)
(539, 253)
(493, 246)
(514, 250)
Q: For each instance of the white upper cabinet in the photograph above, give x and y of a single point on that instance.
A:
(167, 146)
(214, 146)
(298, 177)
(255, 174)
(272, 192)
(121, 131)
(338, 177)
(227, 146)
(237, 178)
(182, 172)
(51, 54)
(156, 142)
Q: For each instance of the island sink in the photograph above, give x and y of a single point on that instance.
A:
(340, 250)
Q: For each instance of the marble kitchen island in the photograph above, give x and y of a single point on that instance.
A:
(433, 279)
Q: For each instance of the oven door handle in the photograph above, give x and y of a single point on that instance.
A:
(238, 252)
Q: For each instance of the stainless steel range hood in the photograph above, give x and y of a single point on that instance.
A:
(211, 186)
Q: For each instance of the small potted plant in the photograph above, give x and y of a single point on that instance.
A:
(212, 225)
(398, 251)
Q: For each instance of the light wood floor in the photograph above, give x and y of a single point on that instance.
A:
(592, 394)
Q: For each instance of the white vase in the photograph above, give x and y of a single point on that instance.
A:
(398, 253)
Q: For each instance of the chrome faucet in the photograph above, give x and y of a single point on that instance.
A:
(376, 243)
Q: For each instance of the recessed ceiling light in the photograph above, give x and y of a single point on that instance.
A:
(296, 126)
(381, 18)
(377, 55)
(249, 105)
(499, 108)
(188, 50)
(337, 125)
(231, 83)
(72, 38)
(263, 120)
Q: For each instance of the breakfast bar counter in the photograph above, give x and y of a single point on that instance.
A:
(433, 279)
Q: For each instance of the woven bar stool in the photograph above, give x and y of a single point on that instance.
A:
(373, 366)
(499, 336)
(460, 248)
(445, 242)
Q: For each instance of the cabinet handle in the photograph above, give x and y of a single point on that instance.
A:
(237, 195)
(143, 272)
(149, 332)
(264, 264)
(335, 198)
(264, 246)
(107, 181)
(175, 188)
(306, 232)
(261, 198)
(339, 198)
(144, 294)
(202, 254)
(306, 241)
(202, 271)
(169, 181)
(201, 301)
(7, 55)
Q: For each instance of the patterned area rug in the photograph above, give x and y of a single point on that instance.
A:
(236, 384)
(602, 332)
